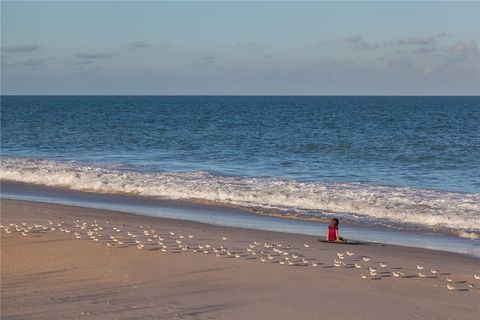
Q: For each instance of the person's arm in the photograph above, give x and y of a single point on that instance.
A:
(326, 235)
(336, 235)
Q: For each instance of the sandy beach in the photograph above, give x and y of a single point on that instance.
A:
(53, 275)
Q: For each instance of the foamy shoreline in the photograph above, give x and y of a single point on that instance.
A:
(236, 217)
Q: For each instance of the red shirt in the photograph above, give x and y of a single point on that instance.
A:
(332, 233)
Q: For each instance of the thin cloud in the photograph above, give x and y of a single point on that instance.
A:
(139, 45)
(412, 41)
(100, 55)
(352, 39)
(21, 48)
(31, 63)
(253, 45)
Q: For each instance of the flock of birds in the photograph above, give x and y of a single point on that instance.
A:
(173, 241)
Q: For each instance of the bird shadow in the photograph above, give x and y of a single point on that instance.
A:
(463, 281)
(463, 289)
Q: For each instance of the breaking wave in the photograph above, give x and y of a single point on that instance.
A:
(388, 205)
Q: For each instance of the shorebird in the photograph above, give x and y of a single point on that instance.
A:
(140, 246)
(281, 262)
(24, 234)
(448, 279)
(172, 233)
(372, 269)
(373, 273)
(237, 255)
(262, 259)
(396, 274)
(190, 236)
(365, 259)
(476, 277)
(291, 263)
(181, 236)
(471, 286)
(421, 275)
(256, 243)
(305, 261)
(420, 267)
(306, 245)
(363, 276)
(349, 253)
(357, 266)
(433, 271)
(339, 254)
(224, 238)
(383, 265)
(449, 287)
(294, 256)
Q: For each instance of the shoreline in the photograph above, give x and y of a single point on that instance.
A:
(52, 275)
(237, 217)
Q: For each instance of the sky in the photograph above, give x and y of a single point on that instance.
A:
(240, 48)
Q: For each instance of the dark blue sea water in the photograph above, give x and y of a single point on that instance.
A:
(412, 160)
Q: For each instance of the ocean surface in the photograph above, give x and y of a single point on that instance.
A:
(398, 162)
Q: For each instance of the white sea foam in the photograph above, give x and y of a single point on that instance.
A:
(459, 212)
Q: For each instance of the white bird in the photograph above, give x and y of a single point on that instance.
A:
(281, 262)
(306, 245)
(181, 236)
(357, 266)
(383, 265)
(363, 276)
(419, 267)
(172, 233)
(349, 253)
(24, 234)
(476, 277)
(140, 246)
(449, 280)
(305, 261)
(396, 274)
(291, 263)
(340, 255)
(433, 271)
(449, 287)
(471, 286)
(237, 256)
(190, 236)
(421, 275)
(294, 256)
(365, 259)
(373, 273)
(314, 264)
(224, 238)
(262, 259)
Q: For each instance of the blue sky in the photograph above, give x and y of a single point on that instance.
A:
(314, 48)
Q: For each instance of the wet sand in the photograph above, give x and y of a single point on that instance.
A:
(52, 275)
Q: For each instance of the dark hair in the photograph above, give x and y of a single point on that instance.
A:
(334, 222)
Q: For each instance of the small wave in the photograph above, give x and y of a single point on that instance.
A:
(431, 209)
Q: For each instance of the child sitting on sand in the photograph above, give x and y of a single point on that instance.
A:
(332, 231)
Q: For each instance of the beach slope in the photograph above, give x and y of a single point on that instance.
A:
(196, 271)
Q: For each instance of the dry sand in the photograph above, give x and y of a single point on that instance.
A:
(53, 275)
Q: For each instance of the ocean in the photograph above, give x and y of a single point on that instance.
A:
(404, 163)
